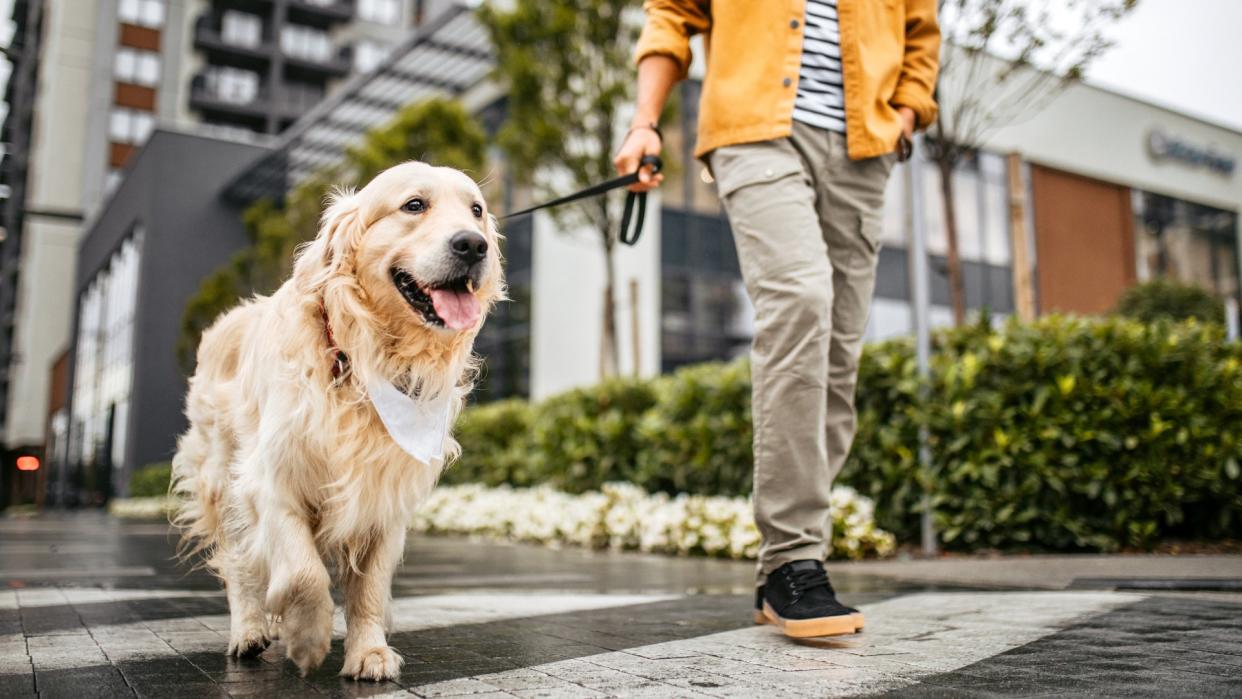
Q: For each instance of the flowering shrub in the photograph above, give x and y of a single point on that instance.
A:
(623, 516)
(145, 507)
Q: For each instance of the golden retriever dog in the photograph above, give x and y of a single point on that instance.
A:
(291, 473)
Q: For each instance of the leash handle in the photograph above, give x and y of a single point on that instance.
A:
(625, 236)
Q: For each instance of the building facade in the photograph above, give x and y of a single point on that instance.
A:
(42, 173)
(144, 256)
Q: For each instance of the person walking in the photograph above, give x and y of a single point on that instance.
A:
(806, 105)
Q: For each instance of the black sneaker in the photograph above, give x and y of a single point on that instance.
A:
(799, 599)
(761, 618)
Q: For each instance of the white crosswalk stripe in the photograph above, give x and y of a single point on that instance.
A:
(907, 638)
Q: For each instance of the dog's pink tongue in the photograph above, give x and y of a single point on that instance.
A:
(459, 310)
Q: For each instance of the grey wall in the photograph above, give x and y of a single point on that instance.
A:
(172, 190)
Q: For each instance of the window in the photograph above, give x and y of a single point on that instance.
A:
(144, 13)
(1187, 242)
(301, 95)
(368, 54)
(994, 180)
(233, 84)
(705, 313)
(380, 11)
(241, 28)
(137, 66)
(305, 42)
(130, 125)
(111, 181)
(105, 352)
(504, 342)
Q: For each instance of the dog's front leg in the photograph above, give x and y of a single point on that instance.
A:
(300, 587)
(368, 594)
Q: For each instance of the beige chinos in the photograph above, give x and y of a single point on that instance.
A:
(806, 221)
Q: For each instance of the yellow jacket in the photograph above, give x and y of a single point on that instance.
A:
(890, 53)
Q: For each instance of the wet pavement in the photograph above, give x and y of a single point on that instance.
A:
(95, 607)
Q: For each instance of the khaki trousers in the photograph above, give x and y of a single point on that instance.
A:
(806, 221)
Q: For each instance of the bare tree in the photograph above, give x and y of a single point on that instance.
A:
(1003, 61)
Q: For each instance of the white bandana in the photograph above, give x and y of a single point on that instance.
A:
(417, 426)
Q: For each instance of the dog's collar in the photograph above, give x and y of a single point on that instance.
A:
(340, 363)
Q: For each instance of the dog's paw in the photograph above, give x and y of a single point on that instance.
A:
(374, 664)
(248, 642)
(306, 629)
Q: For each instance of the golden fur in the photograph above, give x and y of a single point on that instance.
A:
(283, 467)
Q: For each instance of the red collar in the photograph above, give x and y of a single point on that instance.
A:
(340, 364)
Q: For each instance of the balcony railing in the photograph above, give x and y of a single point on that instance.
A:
(208, 38)
(205, 95)
(336, 64)
(290, 102)
(320, 12)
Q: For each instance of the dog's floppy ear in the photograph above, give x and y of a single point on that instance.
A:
(340, 234)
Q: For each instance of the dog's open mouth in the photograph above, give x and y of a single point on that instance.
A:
(450, 304)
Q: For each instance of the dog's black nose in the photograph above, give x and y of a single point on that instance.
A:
(469, 246)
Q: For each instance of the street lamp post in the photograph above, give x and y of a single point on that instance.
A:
(920, 312)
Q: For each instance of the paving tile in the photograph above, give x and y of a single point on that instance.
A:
(15, 685)
(96, 682)
(457, 687)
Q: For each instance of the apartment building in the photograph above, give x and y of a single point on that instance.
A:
(51, 54)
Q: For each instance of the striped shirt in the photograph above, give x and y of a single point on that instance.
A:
(821, 97)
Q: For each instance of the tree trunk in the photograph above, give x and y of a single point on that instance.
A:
(609, 348)
(609, 362)
(957, 290)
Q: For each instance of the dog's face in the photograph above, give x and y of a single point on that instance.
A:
(429, 251)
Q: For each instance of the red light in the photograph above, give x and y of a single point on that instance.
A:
(27, 463)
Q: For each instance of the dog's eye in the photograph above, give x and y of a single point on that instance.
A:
(417, 205)
(477, 209)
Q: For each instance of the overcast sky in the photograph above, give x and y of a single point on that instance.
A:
(1183, 54)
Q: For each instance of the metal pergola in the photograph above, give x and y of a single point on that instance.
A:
(444, 57)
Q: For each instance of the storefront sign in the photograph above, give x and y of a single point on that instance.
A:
(1162, 146)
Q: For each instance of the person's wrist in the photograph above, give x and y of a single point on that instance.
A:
(651, 126)
(643, 117)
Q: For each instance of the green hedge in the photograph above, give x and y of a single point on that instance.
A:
(150, 480)
(1061, 434)
(1165, 299)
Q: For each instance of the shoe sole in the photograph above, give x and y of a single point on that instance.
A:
(842, 625)
(859, 621)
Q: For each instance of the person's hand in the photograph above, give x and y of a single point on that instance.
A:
(908, 121)
(639, 142)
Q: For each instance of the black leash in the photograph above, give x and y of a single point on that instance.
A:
(651, 161)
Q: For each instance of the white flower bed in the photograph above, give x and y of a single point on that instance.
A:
(623, 516)
(141, 508)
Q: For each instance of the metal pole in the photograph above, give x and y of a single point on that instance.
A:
(920, 314)
(1232, 319)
